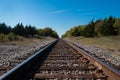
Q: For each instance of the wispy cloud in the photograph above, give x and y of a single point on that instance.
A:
(80, 11)
(86, 11)
(58, 11)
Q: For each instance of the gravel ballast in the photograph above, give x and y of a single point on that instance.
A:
(10, 53)
(110, 57)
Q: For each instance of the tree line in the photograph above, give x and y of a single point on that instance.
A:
(102, 27)
(26, 31)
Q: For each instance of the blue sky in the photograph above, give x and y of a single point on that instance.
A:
(61, 15)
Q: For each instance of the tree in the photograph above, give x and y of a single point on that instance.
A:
(47, 32)
(4, 28)
(89, 30)
(107, 28)
(116, 25)
(54, 34)
(98, 25)
(40, 32)
(74, 31)
(19, 29)
(32, 30)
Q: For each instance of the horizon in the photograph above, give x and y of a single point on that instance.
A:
(60, 15)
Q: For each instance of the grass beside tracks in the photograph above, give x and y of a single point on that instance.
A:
(12, 39)
(23, 42)
(111, 43)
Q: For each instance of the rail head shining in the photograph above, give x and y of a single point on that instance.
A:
(10, 72)
(114, 72)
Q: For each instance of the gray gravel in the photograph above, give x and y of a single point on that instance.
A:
(8, 53)
(107, 56)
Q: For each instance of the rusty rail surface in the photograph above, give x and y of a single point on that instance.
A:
(19, 72)
(112, 72)
(65, 63)
(61, 60)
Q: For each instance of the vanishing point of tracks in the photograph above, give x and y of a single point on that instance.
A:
(59, 61)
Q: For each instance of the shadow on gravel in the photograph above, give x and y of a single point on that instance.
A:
(38, 63)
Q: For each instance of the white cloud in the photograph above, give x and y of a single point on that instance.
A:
(81, 12)
(86, 11)
(58, 11)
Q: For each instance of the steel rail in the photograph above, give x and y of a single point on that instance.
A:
(21, 69)
(113, 74)
(70, 70)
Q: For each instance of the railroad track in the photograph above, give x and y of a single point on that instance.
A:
(61, 61)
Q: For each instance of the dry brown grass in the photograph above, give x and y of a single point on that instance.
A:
(110, 43)
(23, 42)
